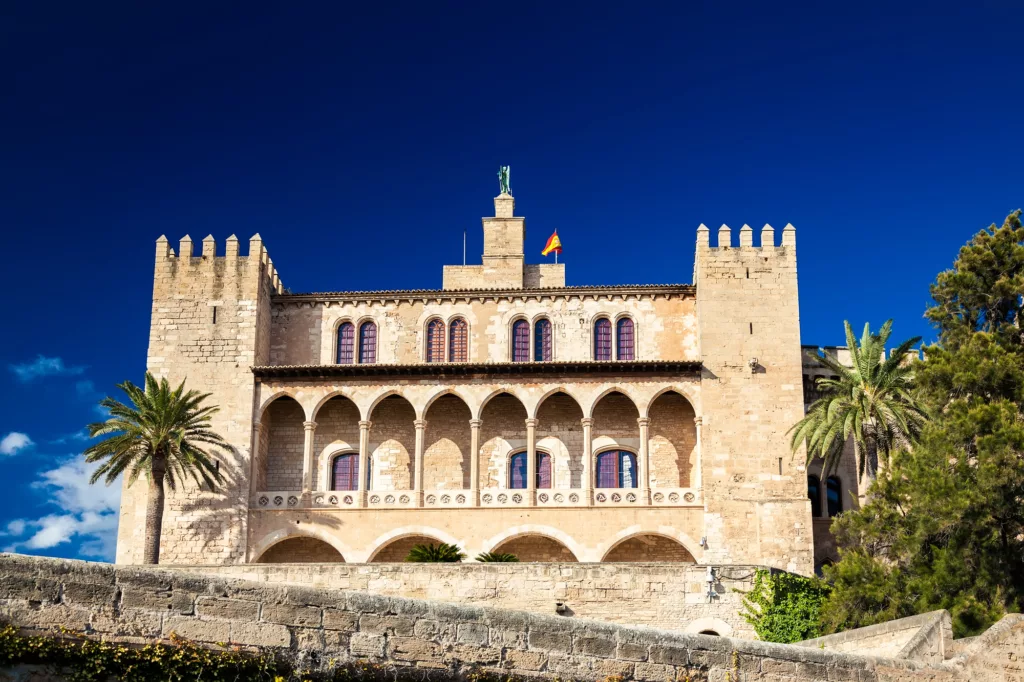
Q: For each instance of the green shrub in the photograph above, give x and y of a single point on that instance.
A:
(435, 554)
(496, 558)
(784, 607)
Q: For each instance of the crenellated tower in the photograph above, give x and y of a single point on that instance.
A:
(751, 393)
(210, 323)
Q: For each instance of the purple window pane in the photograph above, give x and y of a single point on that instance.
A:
(367, 342)
(346, 343)
(458, 343)
(346, 472)
(543, 470)
(520, 341)
(542, 341)
(517, 470)
(625, 339)
(608, 469)
(435, 341)
(603, 339)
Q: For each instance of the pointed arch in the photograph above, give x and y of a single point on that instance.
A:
(324, 400)
(589, 412)
(279, 394)
(440, 394)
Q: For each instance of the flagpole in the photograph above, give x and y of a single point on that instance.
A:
(463, 246)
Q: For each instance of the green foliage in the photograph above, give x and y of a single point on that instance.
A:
(496, 557)
(164, 427)
(435, 554)
(784, 607)
(945, 530)
(871, 401)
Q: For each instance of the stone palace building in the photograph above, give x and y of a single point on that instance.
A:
(503, 412)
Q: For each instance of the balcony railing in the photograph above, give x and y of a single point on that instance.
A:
(488, 497)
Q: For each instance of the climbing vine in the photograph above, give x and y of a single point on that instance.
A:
(783, 607)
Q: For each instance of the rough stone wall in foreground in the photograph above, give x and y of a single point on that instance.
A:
(128, 604)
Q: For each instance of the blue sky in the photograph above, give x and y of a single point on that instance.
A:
(361, 141)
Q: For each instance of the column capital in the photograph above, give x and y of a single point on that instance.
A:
(365, 423)
(309, 426)
(420, 423)
(531, 423)
(475, 423)
(698, 420)
(257, 425)
(643, 421)
(587, 421)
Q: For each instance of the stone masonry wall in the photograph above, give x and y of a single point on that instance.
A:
(127, 604)
(446, 450)
(672, 442)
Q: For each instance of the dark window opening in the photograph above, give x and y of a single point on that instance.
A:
(834, 493)
(814, 495)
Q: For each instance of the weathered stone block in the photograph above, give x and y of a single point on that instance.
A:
(670, 655)
(13, 586)
(631, 652)
(197, 630)
(550, 640)
(366, 645)
(706, 659)
(96, 594)
(334, 619)
(525, 660)
(292, 614)
(163, 601)
(229, 609)
(654, 672)
(260, 634)
(473, 633)
(601, 647)
(470, 653)
(610, 668)
(413, 649)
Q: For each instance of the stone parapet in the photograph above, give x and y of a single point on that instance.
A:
(134, 605)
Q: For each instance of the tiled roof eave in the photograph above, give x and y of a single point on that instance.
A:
(389, 294)
(467, 369)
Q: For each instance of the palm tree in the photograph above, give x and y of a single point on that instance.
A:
(497, 558)
(870, 401)
(435, 554)
(162, 435)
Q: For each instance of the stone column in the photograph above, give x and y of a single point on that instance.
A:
(421, 425)
(364, 458)
(307, 458)
(531, 462)
(474, 462)
(588, 461)
(695, 481)
(645, 461)
(254, 460)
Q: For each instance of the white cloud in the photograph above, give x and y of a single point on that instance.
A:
(14, 528)
(76, 437)
(43, 366)
(89, 512)
(13, 442)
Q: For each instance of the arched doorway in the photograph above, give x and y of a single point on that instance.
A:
(534, 547)
(395, 551)
(649, 548)
(301, 550)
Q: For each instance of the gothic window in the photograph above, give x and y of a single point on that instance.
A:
(458, 341)
(345, 472)
(367, 343)
(624, 341)
(603, 339)
(520, 341)
(346, 343)
(834, 495)
(616, 469)
(517, 470)
(435, 341)
(542, 340)
(814, 493)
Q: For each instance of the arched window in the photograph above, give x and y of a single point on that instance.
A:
(616, 469)
(458, 341)
(345, 472)
(603, 339)
(367, 343)
(520, 341)
(624, 341)
(517, 470)
(346, 343)
(542, 340)
(814, 494)
(435, 341)
(834, 494)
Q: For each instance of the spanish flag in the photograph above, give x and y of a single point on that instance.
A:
(554, 244)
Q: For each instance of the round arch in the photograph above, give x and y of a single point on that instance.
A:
(390, 537)
(282, 534)
(705, 626)
(280, 394)
(549, 532)
(605, 393)
(663, 531)
(532, 413)
(687, 392)
(327, 398)
(495, 394)
(437, 396)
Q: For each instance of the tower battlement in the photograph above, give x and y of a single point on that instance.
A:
(207, 256)
(746, 238)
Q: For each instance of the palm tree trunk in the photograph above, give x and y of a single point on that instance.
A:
(154, 512)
